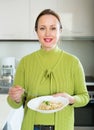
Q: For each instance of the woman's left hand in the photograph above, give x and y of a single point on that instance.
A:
(66, 95)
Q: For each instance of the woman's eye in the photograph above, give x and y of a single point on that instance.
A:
(42, 28)
(53, 28)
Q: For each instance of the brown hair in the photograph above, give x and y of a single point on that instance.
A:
(48, 12)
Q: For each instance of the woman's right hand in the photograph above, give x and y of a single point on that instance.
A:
(15, 93)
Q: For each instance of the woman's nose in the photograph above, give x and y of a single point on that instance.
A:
(47, 33)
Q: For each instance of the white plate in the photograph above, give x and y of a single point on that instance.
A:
(34, 103)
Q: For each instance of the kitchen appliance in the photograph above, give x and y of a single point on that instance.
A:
(84, 116)
(6, 77)
(7, 71)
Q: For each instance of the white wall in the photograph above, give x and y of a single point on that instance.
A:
(17, 49)
(84, 50)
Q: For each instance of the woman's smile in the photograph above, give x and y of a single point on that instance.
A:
(48, 40)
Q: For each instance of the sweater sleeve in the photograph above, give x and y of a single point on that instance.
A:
(13, 104)
(18, 80)
(81, 94)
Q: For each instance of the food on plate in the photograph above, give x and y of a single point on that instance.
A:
(50, 105)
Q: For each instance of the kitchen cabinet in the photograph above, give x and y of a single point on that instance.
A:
(17, 18)
(14, 19)
(77, 18)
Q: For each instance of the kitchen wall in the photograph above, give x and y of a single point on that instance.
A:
(83, 49)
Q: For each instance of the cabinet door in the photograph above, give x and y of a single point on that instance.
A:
(77, 17)
(17, 18)
(14, 19)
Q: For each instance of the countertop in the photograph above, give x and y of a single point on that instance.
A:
(4, 110)
(89, 80)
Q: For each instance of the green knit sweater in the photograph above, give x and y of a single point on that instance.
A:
(45, 73)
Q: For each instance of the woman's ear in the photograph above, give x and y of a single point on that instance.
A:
(60, 30)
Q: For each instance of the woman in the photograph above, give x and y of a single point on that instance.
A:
(49, 71)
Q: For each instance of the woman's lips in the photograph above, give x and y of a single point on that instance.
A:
(47, 39)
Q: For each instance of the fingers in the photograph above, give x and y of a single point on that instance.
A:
(66, 95)
(16, 93)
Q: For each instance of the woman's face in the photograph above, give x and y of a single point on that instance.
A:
(48, 31)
